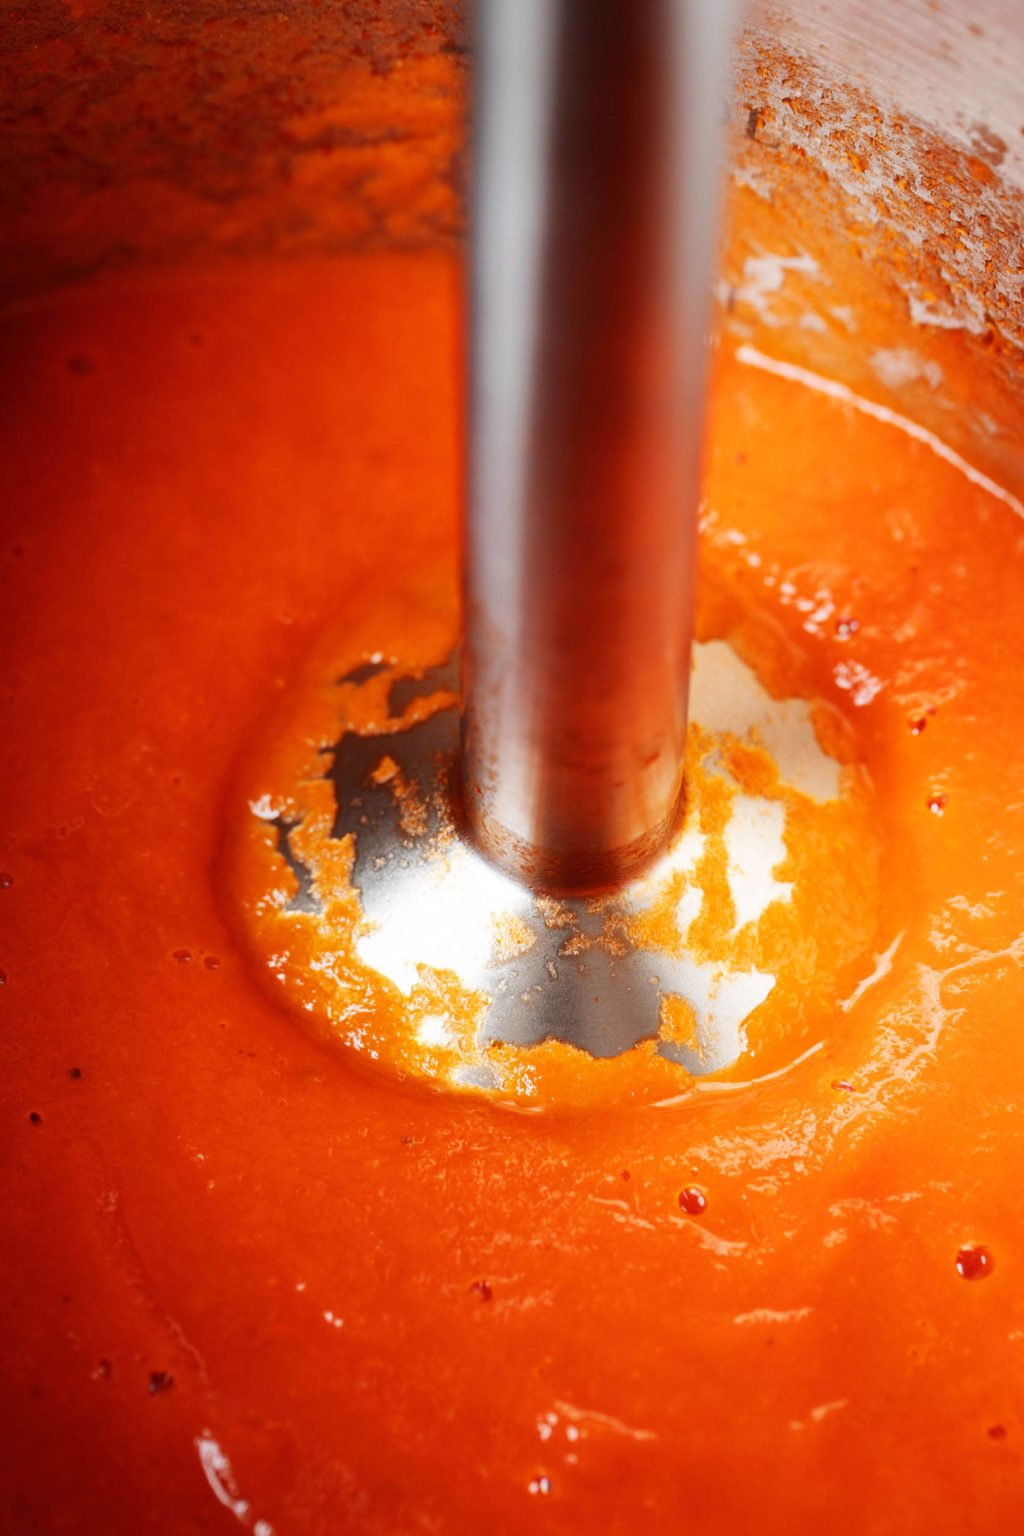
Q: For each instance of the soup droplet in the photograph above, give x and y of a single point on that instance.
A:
(974, 1263)
(693, 1201)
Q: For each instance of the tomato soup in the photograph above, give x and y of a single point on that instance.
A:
(255, 1277)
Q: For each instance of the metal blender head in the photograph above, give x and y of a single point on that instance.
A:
(515, 844)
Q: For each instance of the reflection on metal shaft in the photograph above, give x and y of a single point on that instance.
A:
(596, 168)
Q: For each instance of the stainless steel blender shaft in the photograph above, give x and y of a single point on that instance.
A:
(596, 170)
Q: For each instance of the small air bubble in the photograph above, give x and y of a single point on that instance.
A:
(183, 956)
(846, 627)
(541, 1485)
(6, 881)
(937, 804)
(917, 724)
(974, 1263)
(160, 1381)
(211, 962)
(482, 1289)
(693, 1201)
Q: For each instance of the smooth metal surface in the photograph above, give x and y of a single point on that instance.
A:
(596, 171)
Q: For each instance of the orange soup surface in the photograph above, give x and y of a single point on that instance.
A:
(257, 1276)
